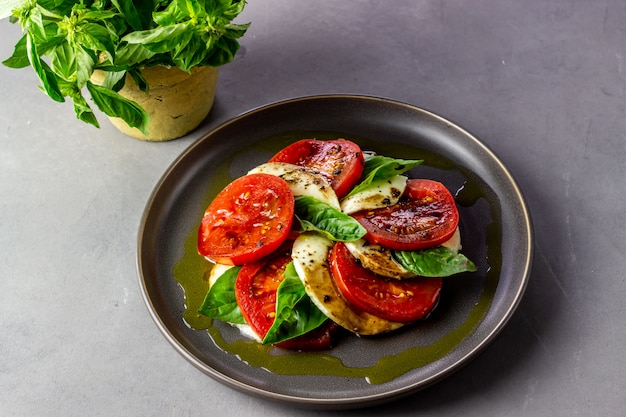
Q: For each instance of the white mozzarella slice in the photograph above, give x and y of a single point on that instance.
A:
(310, 256)
(454, 242)
(248, 332)
(378, 259)
(216, 271)
(379, 194)
(302, 181)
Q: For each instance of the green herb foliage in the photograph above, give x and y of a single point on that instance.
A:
(295, 312)
(435, 262)
(64, 41)
(317, 216)
(220, 302)
(378, 167)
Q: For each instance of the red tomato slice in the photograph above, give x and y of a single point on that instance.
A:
(248, 220)
(426, 217)
(256, 286)
(340, 161)
(255, 290)
(402, 301)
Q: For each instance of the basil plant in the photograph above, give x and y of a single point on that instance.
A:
(64, 41)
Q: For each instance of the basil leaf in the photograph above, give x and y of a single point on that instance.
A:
(114, 80)
(190, 54)
(83, 111)
(171, 15)
(46, 76)
(138, 13)
(95, 37)
(63, 62)
(220, 302)
(223, 53)
(36, 26)
(97, 15)
(19, 58)
(139, 79)
(85, 63)
(378, 167)
(161, 39)
(295, 312)
(129, 55)
(434, 262)
(114, 105)
(317, 216)
(62, 7)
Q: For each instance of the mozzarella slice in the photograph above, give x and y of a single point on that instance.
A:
(302, 181)
(381, 193)
(454, 242)
(310, 257)
(378, 259)
(216, 271)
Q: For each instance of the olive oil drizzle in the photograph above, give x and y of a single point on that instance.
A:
(191, 272)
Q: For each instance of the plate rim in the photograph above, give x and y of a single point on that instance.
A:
(335, 403)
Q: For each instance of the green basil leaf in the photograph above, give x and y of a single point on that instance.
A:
(36, 26)
(317, 216)
(97, 15)
(233, 9)
(45, 74)
(81, 107)
(19, 58)
(224, 51)
(220, 302)
(85, 62)
(193, 8)
(130, 54)
(114, 80)
(83, 111)
(138, 13)
(434, 262)
(139, 80)
(184, 44)
(73, 64)
(95, 37)
(63, 62)
(114, 105)
(378, 167)
(171, 15)
(191, 56)
(236, 30)
(61, 7)
(161, 39)
(295, 312)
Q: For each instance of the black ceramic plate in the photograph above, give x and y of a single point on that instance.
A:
(474, 307)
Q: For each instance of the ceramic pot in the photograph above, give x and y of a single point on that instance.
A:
(177, 101)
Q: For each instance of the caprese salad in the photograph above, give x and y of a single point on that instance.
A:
(324, 236)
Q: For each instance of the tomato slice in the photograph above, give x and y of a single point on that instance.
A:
(256, 286)
(255, 290)
(425, 217)
(341, 161)
(249, 219)
(403, 301)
